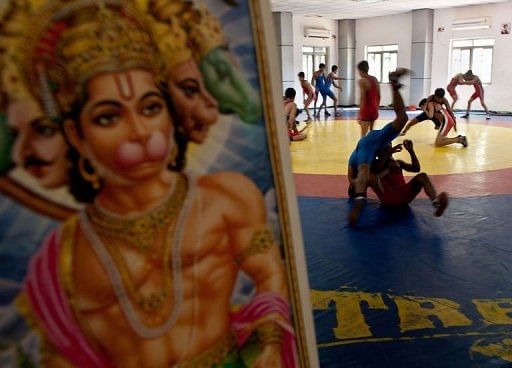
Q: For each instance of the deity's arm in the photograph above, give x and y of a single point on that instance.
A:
(255, 251)
(252, 243)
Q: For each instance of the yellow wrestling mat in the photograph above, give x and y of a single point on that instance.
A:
(330, 143)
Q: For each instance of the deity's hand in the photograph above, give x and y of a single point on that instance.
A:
(226, 82)
(270, 357)
(6, 141)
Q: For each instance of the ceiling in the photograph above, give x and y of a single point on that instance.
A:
(351, 9)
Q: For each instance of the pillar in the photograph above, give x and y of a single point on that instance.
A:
(421, 54)
(346, 60)
(283, 23)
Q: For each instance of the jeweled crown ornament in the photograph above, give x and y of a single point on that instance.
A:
(79, 39)
(15, 20)
(203, 30)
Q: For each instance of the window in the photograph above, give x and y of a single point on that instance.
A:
(475, 55)
(382, 60)
(311, 58)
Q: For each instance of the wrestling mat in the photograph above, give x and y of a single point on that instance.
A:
(404, 288)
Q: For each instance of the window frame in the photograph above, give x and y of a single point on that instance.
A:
(471, 49)
(317, 52)
(390, 49)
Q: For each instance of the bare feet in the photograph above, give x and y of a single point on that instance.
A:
(355, 212)
(394, 77)
(440, 203)
(463, 140)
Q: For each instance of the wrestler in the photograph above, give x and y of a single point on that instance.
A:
(457, 80)
(368, 146)
(330, 81)
(318, 81)
(439, 100)
(290, 109)
(308, 92)
(434, 110)
(474, 80)
(388, 182)
(369, 98)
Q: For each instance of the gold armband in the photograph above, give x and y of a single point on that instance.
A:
(270, 333)
(261, 241)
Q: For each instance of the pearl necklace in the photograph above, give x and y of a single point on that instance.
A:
(116, 279)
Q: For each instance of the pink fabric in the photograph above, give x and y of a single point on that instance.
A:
(46, 295)
(260, 306)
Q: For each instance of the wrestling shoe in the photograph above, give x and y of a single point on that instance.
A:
(488, 117)
(440, 203)
(465, 116)
(327, 114)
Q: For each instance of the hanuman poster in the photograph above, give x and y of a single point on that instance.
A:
(143, 215)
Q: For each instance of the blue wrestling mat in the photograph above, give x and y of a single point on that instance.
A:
(407, 289)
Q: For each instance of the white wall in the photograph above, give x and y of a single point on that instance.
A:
(301, 22)
(498, 94)
(393, 29)
(397, 29)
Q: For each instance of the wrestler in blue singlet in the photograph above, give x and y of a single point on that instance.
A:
(369, 145)
(327, 88)
(320, 83)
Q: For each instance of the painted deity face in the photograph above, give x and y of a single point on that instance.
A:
(196, 109)
(39, 145)
(125, 126)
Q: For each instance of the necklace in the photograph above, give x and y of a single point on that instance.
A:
(173, 240)
(141, 230)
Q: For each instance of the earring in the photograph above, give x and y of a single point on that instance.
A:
(92, 178)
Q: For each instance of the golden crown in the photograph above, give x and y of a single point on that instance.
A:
(15, 20)
(76, 40)
(172, 43)
(203, 29)
(205, 33)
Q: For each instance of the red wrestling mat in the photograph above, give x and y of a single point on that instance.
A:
(494, 182)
